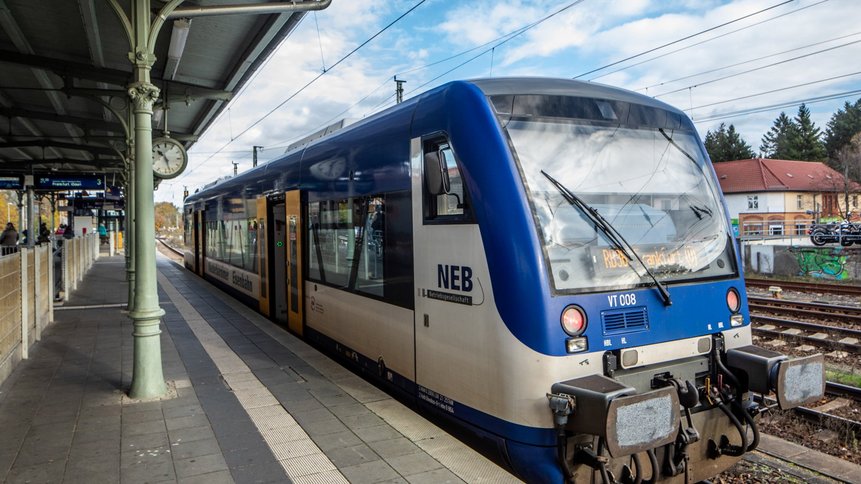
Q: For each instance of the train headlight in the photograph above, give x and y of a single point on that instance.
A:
(576, 345)
(573, 320)
(733, 301)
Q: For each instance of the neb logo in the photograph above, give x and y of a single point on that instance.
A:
(458, 278)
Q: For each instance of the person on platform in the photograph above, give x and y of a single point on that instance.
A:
(9, 238)
(103, 234)
(69, 233)
(44, 233)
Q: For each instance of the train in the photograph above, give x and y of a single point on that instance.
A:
(546, 263)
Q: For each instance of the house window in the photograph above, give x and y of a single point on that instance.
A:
(799, 202)
(775, 229)
(800, 228)
(854, 200)
(753, 201)
(753, 227)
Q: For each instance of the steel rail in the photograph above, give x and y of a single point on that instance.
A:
(172, 249)
(831, 344)
(842, 390)
(847, 314)
(840, 423)
(806, 286)
(805, 326)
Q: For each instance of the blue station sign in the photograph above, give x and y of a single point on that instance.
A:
(15, 182)
(69, 182)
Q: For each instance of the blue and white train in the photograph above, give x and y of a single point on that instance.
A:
(546, 262)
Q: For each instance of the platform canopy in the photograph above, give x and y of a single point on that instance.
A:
(65, 71)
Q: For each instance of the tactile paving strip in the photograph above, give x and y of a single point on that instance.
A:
(267, 418)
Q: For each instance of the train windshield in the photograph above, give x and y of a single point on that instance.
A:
(650, 181)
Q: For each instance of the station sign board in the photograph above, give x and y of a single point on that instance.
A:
(14, 182)
(69, 182)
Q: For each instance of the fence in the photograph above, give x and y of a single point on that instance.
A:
(27, 293)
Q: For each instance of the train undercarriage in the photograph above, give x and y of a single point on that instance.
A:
(683, 421)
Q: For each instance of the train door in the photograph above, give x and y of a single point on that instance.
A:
(199, 231)
(278, 267)
(262, 252)
(450, 354)
(295, 276)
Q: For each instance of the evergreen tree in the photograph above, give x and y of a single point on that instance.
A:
(726, 144)
(843, 125)
(776, 143)
(807, 143)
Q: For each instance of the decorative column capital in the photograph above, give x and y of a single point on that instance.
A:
(143, 96)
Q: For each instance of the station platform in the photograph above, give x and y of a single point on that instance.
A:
(248, 402)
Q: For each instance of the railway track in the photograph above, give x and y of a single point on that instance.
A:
(819, 311)
(839, 389)
(805, 286)
(831, 337)
(169, 247)
(820, 415)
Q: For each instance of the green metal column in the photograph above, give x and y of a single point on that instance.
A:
(147, 376)
(130, 231)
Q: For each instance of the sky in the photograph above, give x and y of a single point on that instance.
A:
(735, 62)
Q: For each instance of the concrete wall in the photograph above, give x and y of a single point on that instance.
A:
(831, 263)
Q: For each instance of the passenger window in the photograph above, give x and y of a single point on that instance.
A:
(446, 198)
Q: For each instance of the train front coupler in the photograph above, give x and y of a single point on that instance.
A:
(795, 381)
(625, 422)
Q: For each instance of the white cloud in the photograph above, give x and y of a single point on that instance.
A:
(589, 35)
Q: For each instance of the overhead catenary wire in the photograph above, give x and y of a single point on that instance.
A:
(493, 43)
(695, 44)
(716, 69)
(748, 71)
(500, 43)
(285, 143)
(786, 104)
(653, 49)
(772, 91)
(312, 81)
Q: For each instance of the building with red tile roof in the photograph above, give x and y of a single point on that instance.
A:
(781, 197)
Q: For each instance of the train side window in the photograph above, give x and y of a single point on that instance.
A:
(363, 245)
(446, 197)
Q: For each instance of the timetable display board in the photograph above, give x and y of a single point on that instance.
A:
(14, 182)
(69, 182)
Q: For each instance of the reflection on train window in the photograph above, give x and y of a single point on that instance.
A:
(233, 241)
(188, 223)
(452, 205)
(352, 245)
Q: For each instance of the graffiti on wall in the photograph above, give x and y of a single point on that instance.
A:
(823, 263)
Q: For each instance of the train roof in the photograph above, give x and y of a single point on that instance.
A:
(489, 87)
(553, 86)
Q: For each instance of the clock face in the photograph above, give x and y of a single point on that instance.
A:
(168, 157)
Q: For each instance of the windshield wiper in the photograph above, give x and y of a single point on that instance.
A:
(700, 211)
(610, 232)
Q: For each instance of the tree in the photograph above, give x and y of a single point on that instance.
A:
(776, 143)
(807, 143)
(726, 144)
(165, 215)
(794, 139)
(843, 125)
(848, 161)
